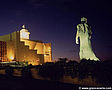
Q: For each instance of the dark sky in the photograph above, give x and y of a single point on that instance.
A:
(55, 21)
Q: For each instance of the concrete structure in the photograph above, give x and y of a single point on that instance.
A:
(20, 48)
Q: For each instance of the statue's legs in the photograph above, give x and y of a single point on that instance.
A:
(87, 53)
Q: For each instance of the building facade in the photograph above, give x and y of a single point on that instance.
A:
(17, 46)
(3, 51)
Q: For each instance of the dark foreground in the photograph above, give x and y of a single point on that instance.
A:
(15, 83)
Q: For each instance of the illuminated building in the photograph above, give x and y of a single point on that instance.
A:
(3, 51)
(18, 47)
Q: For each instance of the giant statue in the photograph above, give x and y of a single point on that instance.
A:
(84, 34)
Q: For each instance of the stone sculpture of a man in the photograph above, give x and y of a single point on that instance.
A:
(84, 34)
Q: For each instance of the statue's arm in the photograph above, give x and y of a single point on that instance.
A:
(77, 35)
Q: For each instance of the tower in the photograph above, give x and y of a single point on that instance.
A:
(24, 34)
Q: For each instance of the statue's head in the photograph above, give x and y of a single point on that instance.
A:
(84, 20)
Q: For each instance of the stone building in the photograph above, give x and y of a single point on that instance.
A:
(17, 46)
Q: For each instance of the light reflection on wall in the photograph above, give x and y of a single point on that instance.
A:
(10, 56)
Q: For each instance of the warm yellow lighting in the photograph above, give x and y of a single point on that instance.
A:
(11, 57)
(10, 54)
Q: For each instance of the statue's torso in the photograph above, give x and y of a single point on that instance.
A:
(83, 30)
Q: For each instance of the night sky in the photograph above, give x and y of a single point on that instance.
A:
(55, 21)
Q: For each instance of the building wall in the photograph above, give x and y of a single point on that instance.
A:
(41, 57)
(16, 50)
(11, 50)
(39, 47)
(10, 39)
(47, 52)
(3, 51)
(5, 37)
(25, 54)
(26, 50)
(29, 43)
(42, 49)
